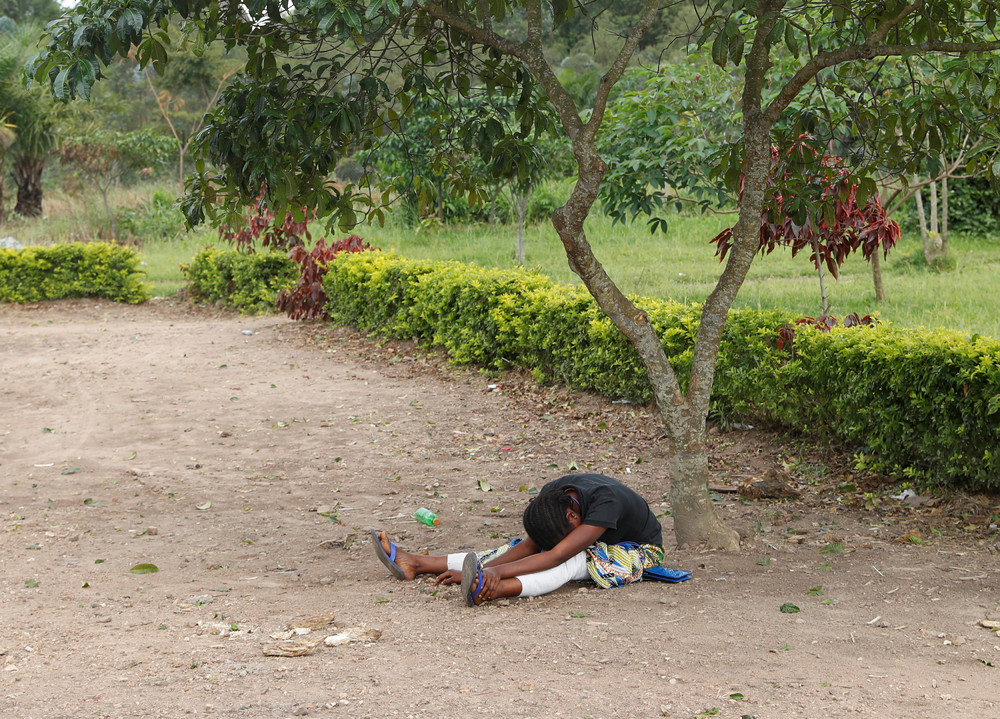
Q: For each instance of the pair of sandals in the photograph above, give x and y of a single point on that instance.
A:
(472, 570)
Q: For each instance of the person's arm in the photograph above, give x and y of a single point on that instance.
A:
(572, 544)
(524, 548)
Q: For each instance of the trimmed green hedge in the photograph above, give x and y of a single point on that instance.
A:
(96, 269)
(249, 283)
(918, 404)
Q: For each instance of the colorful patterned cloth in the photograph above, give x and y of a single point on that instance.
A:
(615, 565)
(489, 555)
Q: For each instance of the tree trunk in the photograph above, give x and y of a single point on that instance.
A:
(696, 521)
(28, 176)
(690, 502)
(922, 221)
(932, 201)
(877, 276)
(182, 148)
(107, 208)
(521, 207)
(699, 524)
(935, 232)
(944, 217)
(824, 307)
(439, 186)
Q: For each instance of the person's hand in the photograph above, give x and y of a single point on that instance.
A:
(452, 576)
(491, 583)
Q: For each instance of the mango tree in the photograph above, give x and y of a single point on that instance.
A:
(284, 124)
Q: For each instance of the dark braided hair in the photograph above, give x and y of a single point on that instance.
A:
(545, 518)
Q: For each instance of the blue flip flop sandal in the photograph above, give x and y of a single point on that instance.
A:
(665, 574)
(472, 578)
(387, 559)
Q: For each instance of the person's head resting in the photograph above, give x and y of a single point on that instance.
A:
(547, 518)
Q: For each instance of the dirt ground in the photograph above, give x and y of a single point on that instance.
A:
(247, 459)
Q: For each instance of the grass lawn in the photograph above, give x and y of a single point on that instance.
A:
(681, 265)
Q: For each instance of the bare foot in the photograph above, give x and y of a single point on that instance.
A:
(407, 562)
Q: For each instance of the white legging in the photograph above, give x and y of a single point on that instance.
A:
(573, 569)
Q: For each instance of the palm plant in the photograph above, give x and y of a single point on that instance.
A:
(31, 113)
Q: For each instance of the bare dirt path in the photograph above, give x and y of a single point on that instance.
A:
(221, 449)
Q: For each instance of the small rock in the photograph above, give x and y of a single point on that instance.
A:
(300, 711)
(9, 243)
(152, 531)
(290, 648)
(353, 634)
(104, 620)
(200, 599)
(248, 333)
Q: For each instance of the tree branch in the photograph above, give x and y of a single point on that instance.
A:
(883, 30)
(614, 73)
(529, 52)
(757, 61)
(476, 32)
(824, 60)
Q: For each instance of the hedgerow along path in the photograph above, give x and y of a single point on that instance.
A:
(247, 468)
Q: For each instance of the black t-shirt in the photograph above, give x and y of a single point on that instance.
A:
(606, 502)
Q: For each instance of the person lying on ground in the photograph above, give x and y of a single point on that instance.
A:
(579, 526)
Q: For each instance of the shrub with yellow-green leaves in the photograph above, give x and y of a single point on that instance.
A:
(77, 269)
(915, 403)
(248, 282)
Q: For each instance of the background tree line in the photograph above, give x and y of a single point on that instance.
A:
(117, 135)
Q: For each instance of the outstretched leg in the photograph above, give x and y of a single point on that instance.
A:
(476, 591)
(405, 565)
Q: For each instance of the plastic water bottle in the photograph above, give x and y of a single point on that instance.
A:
(427, 517)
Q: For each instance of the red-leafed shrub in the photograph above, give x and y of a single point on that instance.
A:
(825, 216)
(307, 299)
(260, 229)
